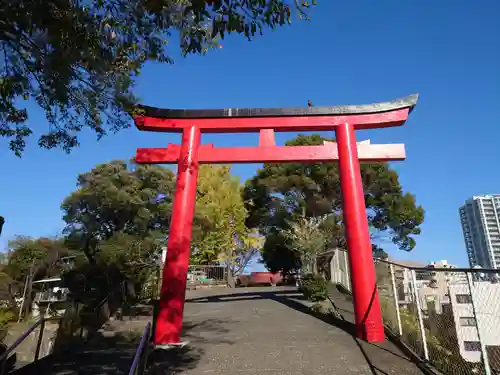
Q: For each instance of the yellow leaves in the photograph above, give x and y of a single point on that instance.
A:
(220, 202)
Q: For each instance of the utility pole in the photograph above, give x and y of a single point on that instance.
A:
(27, 293)
(24, 300)
(29, 289)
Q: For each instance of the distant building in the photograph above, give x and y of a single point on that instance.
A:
(435, 290)
(402, 276)
(50, 297)
(480, 218)
(432, 287)
(476, 314)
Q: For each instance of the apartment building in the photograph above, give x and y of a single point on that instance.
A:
(431, 286)
(480, 219)
(435, 291)
(476, 314)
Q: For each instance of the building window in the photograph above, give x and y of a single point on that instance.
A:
(464, 298)
(472, 346)
(468, 321)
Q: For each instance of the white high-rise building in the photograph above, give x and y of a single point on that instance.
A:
(480, 217)
(476, 315)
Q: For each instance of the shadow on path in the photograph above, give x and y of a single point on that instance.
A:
(111, 350)
(180, 359)
(102, 355)
(378, 363)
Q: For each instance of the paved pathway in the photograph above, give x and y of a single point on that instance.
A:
(269, 331)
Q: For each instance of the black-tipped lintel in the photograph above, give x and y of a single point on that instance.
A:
(407, 102)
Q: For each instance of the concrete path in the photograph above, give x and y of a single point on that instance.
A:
(269, 331)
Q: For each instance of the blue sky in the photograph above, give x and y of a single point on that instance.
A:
(352, 52)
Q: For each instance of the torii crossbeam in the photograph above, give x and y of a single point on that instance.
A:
(344, 120)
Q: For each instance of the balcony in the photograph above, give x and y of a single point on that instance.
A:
(50, 296)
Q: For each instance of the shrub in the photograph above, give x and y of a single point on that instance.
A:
(7, 316)
(314, 288)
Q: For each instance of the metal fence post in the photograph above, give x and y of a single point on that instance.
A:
(484, 353)
(40, 337)
(395, 292)
(419, 313)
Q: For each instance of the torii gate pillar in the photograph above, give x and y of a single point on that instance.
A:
(170, 310)
(358, 238)
(343, 119)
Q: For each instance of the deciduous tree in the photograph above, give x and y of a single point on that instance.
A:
(221, 212)
(41, 255)
(307, 240)
(78, 60)
(116, 208)
(282, 193)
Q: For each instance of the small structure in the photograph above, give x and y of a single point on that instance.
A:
(51, 298)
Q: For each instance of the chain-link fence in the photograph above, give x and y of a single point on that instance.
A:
(448, 317)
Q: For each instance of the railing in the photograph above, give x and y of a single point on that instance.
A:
(139, 363)
(4, 358)
(51, 296)
(207, 275)
(97, 310)
(448, 317)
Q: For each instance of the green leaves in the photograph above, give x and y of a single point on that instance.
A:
(114, 215)
(136, 257)
(315, 288)
(305, 236)
(118, 197)
(281, 196)
(79, 60)
(42, 254)
(306, 239)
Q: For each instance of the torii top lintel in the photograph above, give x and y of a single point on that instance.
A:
(235, 120)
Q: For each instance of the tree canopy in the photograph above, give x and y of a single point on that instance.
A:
(118, 197)
(40, 254)
(306, 239)
(280, 194)
(117, 222)
(123, 210)
(78, 60)
(220, 204)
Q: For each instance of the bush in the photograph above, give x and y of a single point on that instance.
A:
(7, 316)
(314, 288)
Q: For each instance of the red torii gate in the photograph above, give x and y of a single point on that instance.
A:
(343, 119)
